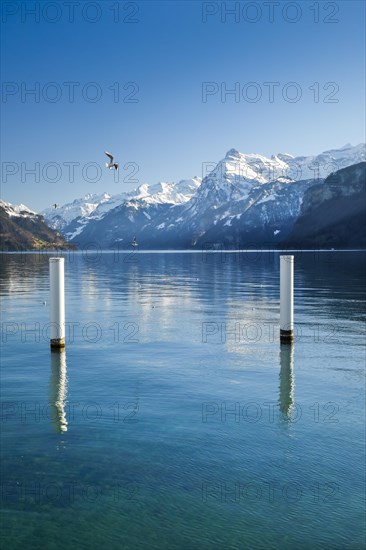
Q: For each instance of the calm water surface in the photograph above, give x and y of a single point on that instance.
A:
(174, 419)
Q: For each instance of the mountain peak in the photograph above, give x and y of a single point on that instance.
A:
(235, 180)
(283, 156)
(233, 153)
(20, 210)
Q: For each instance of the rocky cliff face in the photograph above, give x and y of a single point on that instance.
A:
(333, 213)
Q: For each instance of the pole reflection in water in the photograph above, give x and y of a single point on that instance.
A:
(287, 383)
(58, 389)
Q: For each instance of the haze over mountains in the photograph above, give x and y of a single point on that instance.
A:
(333, 214)
(244, 200)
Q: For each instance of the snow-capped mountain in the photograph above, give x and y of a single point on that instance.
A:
(246, 192)
(71, 218)
(244, 196)
(167, 193)
(333, 214)
(23, 229)
(17, 210)
(60, 217)
(237, 168)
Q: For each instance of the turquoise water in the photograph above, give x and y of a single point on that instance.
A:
(174, 419)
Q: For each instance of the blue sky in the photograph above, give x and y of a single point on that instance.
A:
(168, 50)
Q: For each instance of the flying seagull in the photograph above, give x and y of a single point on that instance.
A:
(55, 205)
(111, 164)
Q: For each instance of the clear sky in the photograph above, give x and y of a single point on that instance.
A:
(160, 55)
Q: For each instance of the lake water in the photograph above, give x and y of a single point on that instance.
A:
(174, 419)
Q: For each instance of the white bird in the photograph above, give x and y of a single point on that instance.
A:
(111, 164)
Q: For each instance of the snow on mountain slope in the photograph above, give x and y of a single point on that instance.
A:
(250, 167)
(167, 193)
(95, 207)
(60, 217)
(320, 166)
(231, 180)
(241, 189)
(266, 215)
(237, 174)
(19, 210)
(238, 166)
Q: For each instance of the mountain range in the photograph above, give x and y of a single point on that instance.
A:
(244, 200)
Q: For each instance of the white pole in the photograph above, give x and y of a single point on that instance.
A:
(57, 303)
(286, 299)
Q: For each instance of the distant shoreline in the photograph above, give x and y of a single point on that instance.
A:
(179, 251)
